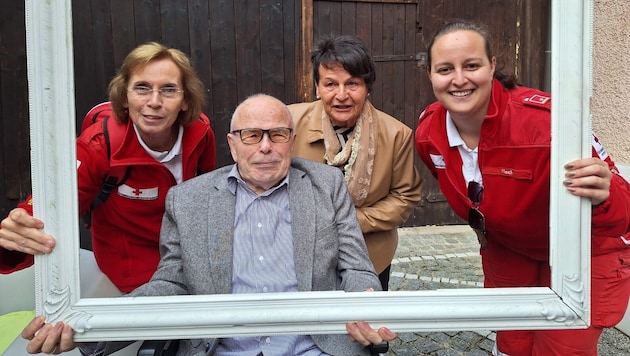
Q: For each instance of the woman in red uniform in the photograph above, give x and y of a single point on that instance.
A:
(157, 100)
(487, 141)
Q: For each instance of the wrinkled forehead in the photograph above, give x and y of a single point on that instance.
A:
(263, 113)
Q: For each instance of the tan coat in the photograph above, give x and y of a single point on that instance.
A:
(396, 183)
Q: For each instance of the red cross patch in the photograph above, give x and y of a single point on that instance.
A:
(538, 99)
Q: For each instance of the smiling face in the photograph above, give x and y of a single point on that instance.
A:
(461, 74)
(342, 94)
(152, 114)
(264, 164)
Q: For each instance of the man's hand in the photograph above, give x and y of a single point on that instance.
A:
(363, 333)
(48, 338)
(589, 178)
(22, 232)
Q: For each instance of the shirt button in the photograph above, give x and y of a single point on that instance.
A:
(265, 290)
(268, 340)
(260, 258)
(259, 225)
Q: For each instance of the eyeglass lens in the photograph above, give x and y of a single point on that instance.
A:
(475, 192)
(166, 92)
(276, 135)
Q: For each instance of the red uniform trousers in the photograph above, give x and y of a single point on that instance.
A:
(610, 287)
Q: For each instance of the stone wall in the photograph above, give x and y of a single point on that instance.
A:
(611, 77)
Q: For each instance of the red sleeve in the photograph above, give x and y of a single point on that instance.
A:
(612, 217)
(12, 261)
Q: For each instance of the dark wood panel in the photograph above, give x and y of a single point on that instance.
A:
(199, 30)
(248, 35)
(123, 31)
(272, 45)
(291, 21)
(14, 132)
(534, 36)
(410, 112)
(304, 72)
(363, 23)
(147, 20)
(84, 55)
(376, 96)
(247, 46)
(173, 24)
(381, 1)
(388, 70)
(223, 83)
(348, 17)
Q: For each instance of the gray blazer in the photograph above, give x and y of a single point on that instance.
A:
(329, 250)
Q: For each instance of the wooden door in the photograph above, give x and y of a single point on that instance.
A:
(241, 47)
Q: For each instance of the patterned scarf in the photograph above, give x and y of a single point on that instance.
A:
(357, 157)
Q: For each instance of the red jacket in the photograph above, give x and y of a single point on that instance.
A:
(126, 227)
(514, 159)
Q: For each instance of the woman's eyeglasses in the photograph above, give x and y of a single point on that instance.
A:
(145, 92)
(476, 219)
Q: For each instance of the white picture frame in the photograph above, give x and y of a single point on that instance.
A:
(565, 305)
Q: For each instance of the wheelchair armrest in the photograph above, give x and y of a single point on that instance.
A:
(379, 349)
(158, 348)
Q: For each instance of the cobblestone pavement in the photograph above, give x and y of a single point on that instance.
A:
(440, 257)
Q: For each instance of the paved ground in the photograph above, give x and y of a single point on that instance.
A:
(439, 257)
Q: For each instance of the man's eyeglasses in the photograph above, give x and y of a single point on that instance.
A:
(476, 219)
(142, 91)
(253, 136)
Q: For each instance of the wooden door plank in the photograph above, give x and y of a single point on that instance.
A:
(247, 36)
(224, 95)
(363, 23)
(348, 18)
(411, 71)
(93, 56)
(198, 28)
(123, 30)
(14, 125)
(272, 48)
(147, 15)
(377, 49)
(388, 71)
(305, 92)
(174, 24)
(291, 12)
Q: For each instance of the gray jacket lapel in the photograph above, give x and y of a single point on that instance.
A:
(303, 227)
(220, 224)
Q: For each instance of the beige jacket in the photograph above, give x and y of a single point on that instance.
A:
(396, 183)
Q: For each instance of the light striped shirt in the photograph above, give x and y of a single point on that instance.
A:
(263, 263)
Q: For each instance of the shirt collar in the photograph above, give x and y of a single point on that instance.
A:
(165, 156)
(454, 138)
(235, 180)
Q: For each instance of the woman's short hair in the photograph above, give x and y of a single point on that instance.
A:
(347, 51)
(194, 92)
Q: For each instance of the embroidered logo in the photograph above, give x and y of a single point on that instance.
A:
(538, 99)
(138, 193)
(438, 161)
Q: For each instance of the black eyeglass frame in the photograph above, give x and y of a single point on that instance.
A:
(262, 134)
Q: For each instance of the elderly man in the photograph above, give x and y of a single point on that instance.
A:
(265, 224)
